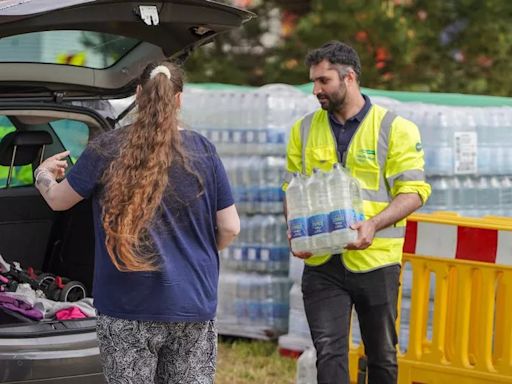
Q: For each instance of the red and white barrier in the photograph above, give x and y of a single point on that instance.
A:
(458, 241)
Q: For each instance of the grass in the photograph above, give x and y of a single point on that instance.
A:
(242, 361)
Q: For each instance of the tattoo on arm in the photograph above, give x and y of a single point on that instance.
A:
(44, 180)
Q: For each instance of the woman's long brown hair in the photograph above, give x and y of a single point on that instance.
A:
(136, 179)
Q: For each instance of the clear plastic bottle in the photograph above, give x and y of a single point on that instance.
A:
(440, 199)
(254, 175)
(487, 195)
(485, 130)
(341, 208)
(279, 257)
(494, 206)
(227, 296)
(306, 367)
(507, 139)
(457, 194)
(444, 157)
(318, 220)
(298, 212)
(357, 200)
(506, 196)
(469, 195)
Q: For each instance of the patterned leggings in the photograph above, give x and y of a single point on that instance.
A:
(142, 352)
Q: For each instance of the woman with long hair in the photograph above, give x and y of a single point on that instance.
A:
(162, 208)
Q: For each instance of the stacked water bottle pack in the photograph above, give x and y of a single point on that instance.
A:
(253, 304)
(245, 122)
(321, 210)
(248, 129)
(256, 182)
(467, 157)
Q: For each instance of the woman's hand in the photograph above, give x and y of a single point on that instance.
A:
(55, 165)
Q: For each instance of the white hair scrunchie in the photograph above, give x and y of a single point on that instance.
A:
(160, 69)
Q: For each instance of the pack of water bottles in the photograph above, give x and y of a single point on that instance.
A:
(262, 245)
(467, 157)
(253, 304)
(256, 182)
(321, 209)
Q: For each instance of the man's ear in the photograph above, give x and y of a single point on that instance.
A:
(351, 76)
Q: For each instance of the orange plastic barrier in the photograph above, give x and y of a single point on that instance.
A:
(460, 329)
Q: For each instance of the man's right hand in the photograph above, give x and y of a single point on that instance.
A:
(300, 255)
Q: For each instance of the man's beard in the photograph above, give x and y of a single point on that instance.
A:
(334, 102)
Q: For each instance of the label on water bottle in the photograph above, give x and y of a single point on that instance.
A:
(352, 217)
(298, 227)
(262, 137)
(237, 137)
(265, 254)
(214, 136)
(225, 136)
(249, 137)
(251, 254)
(338, 220)
(318, 224)
(237, 254)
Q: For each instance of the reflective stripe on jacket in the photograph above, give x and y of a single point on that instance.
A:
(384, 155)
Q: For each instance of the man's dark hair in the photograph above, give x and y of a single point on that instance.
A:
(335, 52)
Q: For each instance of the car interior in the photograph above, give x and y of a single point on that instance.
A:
(58, 243)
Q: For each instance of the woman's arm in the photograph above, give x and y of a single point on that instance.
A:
(59, 196)
(228, 226)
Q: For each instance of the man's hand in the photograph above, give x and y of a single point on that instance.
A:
(365, 234)
(300, 255)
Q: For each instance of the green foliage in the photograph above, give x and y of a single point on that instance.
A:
(418, 45)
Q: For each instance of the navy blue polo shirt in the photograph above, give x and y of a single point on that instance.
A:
(183, 236)
(345, 132)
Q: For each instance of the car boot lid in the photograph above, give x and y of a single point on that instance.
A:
(73, 49)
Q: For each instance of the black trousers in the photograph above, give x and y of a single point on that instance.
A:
(330, 291)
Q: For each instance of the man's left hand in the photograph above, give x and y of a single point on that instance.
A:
(365, 234)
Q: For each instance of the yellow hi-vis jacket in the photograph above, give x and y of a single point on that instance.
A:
(386, 157)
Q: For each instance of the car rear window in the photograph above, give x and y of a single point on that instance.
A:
(72, 135)
(21, 175)
(79, 48)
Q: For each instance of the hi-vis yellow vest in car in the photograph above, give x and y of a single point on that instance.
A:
(385, 155)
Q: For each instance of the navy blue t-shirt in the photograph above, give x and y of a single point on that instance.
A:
(185, 287)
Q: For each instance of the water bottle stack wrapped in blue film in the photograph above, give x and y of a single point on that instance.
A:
(321, 209)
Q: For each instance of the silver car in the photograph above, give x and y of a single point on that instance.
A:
(59, 61)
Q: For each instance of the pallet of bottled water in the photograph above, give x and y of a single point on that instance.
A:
(321, 209)
(468, 161)
(249, 129)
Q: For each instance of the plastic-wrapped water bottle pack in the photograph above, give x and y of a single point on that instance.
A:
(321, 210)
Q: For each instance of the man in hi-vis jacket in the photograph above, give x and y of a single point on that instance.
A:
(383, 152)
